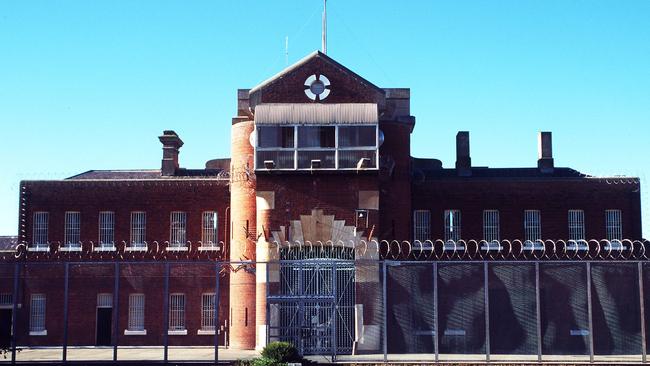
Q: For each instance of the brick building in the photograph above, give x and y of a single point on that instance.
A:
(319, 156)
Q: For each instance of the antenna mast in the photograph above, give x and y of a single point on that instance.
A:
(286, 50)
(325, 26)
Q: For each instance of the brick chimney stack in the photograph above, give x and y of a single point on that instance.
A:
(463, 159)
(171, 144)
(545, 152)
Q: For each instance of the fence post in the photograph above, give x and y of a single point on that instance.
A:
(116, 309)
(642, 308)
(435, 312)
(538, 311)
(334, 315)
(589, 310)
(217, 269)
(165, 326)
(13, 312)
(66, 280)
(487, 312)
(384, 305)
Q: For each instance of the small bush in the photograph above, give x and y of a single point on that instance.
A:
(280, 352)
(263, 361)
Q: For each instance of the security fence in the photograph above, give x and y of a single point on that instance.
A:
(433, 302)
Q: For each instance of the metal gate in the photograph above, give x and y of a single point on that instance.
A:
(313, 305)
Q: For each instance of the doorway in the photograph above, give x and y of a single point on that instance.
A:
(104, 319)
(5, 328)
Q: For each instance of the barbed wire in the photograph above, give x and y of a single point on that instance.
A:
(429, 250)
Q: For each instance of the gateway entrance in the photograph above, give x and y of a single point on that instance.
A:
(312, 306)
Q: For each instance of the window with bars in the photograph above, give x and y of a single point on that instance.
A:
(6, 300)
(207, 311)
(614, 224)
(421, 225)
(40, 228)
(72, 234)
(138, 228)
(177, 312)
(209, 232)
(136, 312)
(491, 231)
(452, 225)
(37, 313)
(532, 225)
(576, 225)
(107, 229)
(178, 229)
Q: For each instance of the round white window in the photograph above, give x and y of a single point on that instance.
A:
(317, 87)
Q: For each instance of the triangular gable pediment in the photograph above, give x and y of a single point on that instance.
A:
(344, 86)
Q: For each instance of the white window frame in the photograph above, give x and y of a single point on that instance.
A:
(135, 324)
(178, 230)
(614, 224)
(138, 237)
(208, 303)
(177, 306)
(106, 230)
(576, 225)
(37, 312)
(336, 149)
(72, 230)
(452, 225)
(209, 229)
(421, 225)
(532, 227)
(40, 229)
(491, 226)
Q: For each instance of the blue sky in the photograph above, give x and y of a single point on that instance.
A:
(91, 84)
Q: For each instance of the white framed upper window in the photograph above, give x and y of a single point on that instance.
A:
(72, 232)
(532, 225)
(491, 227)
(37, 315)
(421, 225)
(138, 228)
(209, 232)
(614, 224)
(177, 312)
(136, 313)
(576, 220)
(207, 311)
(107, 228)
(452, 225)
(178, 229)
(40, 227)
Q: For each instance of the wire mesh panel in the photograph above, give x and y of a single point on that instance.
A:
(563, 307)
(616, 309)
(410, 311)
(513, 304)
(461, 295)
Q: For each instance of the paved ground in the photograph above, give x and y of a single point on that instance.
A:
(206, 354)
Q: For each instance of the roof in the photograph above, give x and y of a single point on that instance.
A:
(306, 59)
(296, 113)
(145, 174)
(484, 172)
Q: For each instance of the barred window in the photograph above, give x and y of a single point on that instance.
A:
(532, 225)
(136, 312)
(207, 311)
(614, 225)
(138, 228)
(72, 235)
(37, 313)
(178, 228)
(452, 225)
(107, 228)
(421, 225)
(6, 300)
(209, 235)
(40, 228)
(491, 225)
(576, 225)
(176, 312)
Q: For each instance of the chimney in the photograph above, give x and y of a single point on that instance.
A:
(463, 160)
(171, 144)
(545, 152)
